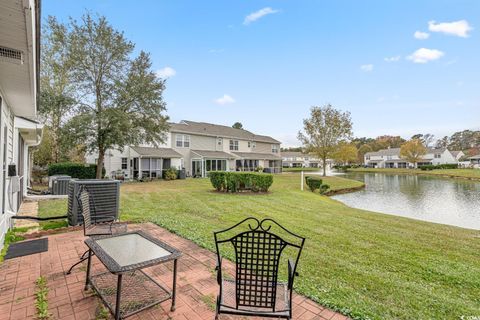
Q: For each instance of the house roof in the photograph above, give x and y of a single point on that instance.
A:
(384, 152)
(257, 156)
(292, 154)
(156, 152)
(215, 130)
(213, 154)
(456, 153)
(475, 157)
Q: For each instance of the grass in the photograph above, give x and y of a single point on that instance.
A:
(10, 237)
(301, 169)
(451, 173)
(52, 208)
(41, 299)
(364, 264)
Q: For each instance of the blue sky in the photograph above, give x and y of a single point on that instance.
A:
(264, 63)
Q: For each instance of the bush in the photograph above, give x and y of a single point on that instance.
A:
(74, 170)
(170, 174)
(240, 181)
(429, 167)
(315, 183)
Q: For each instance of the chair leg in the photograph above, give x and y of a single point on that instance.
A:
(217, 307)
(83, 257)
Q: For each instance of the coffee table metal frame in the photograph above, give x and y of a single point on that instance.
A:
(113, 267)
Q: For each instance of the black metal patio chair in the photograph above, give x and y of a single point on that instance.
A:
(94, 224)
(255, 290)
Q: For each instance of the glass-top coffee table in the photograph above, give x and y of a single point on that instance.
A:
(125, 288)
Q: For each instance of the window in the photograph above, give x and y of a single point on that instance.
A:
(234, 145)
(367, 157)
(249, 144)
(219, 141)
(124, 163)
(254, 145)
(274, 148)
(215, 165)
(438, 155)
(182, 141)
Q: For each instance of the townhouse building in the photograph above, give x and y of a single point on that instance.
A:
(198, 148)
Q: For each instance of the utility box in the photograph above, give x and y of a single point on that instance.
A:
(104, 200)
(60, 185)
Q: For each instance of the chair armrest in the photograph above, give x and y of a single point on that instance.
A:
(292, 273)
(218, 268)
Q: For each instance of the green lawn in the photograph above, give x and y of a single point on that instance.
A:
(452, 173)
(364, 264)
(300, 169)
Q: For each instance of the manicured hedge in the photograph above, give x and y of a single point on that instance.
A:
(240, 181)
(438, 166)
(315, 183)
(75, 170)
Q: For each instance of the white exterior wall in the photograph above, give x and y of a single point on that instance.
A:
(7, 199)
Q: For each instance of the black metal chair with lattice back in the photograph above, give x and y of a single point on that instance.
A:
(94, 224)
(255, 290)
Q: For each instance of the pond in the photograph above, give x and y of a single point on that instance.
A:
(454, 202)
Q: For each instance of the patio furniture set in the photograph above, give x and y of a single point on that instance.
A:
(126, 289)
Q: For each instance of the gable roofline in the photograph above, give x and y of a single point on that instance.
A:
(216, 130)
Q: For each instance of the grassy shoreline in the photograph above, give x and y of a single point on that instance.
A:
(471, 174)
(366, 265)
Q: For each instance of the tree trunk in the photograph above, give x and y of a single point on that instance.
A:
(324, 160)
(101, 156)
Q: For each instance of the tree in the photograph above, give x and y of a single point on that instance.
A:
(362, 151)
(237, 125)
(442, 143)
(57, 93)
(346, 153)
(413, 151)
(324, 130)
(120, 97)
(427, 139)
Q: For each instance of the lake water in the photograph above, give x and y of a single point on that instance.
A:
(449, 201)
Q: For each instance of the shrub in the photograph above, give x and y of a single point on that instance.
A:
(438, 166)
(74, 170)
(240, 181)
(315, 183)
(170, 174)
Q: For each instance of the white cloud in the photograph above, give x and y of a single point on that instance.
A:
(166, 73)
(226, 99)
(366, 67)
(254, 16)
(421, 35)
(392, 59)
(456, 28)
(424, 55)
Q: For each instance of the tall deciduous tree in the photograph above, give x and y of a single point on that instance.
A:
(237, 125)
(324, 130)
(120, 97)
(346, 153)
(413, 151)
(57, 92)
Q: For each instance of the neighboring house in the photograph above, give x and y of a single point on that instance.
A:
(198, 148)
(390, 158)
(19, 65)
(291, 159)
(457, 154)
(475, 161)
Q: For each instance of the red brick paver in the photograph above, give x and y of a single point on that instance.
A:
(196, 286)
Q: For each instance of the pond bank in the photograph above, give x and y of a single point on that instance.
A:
(467, 174)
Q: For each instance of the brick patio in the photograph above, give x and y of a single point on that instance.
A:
(196, 288)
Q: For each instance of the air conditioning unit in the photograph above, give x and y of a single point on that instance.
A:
(104, 200)
(58, 185)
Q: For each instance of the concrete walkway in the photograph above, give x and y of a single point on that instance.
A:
(197, 287)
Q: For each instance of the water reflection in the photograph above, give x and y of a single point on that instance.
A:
(448, 201)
